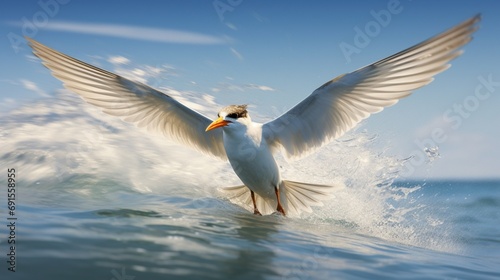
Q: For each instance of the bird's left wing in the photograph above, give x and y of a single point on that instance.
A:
(340, 104)
(133, 102)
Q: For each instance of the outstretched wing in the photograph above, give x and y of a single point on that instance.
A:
(133, 102)
(340, 104)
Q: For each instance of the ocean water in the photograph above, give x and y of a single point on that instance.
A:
(97, 198)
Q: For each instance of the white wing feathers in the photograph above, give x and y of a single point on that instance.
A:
(133, 102)
(340, 104)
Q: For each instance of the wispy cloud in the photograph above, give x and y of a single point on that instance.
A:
(29, 85)
(236, 53)
(117, 59)
(232, 26)
(151, 75)
(32, 58)
(7, 104)
(164, 35)
(245, 87)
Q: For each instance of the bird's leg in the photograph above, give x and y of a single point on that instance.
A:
(279, 208)
(255, 210)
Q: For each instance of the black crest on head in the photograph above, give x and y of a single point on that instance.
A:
(235, 111)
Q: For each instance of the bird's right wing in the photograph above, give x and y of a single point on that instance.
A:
(133, 102)
(343, 102)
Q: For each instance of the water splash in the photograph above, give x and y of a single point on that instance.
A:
(64, 143)
(370, 203)
(432, 153)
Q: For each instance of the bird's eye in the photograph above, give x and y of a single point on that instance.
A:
(233, 116)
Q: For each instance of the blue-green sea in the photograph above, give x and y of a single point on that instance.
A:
(122, 234)
(97, 198)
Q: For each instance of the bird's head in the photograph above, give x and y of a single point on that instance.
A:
(232, 115)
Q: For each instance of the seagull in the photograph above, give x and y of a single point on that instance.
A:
(326, 114)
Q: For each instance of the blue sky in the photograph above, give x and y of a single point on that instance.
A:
(272, 54)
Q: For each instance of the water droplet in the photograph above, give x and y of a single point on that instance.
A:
(432, 153)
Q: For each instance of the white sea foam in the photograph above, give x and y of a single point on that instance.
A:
(55, 139)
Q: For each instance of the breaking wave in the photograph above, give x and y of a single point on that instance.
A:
(64, 144)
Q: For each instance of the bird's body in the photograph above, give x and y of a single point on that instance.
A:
(326, 114)
(251, 159)
(249, 154)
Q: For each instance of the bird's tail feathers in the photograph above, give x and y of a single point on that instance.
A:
(296, 197)
(240, 195)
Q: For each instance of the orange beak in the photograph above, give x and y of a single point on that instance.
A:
(217, 123)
